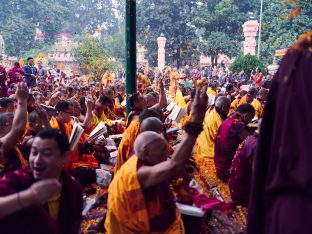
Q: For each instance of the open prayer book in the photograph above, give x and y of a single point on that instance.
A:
(177, 114)
(124, 103)
(170, 106)
(75, 135)
(97, 132)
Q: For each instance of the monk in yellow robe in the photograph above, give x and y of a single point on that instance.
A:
(125, 148)
(98, 113)
(63, 122)
(174, 76)
(249, 97)
(212, 122)
(212, 90)
(258, 103)
(139, 198)
(235, 103)
(144, 81)
(108, 79)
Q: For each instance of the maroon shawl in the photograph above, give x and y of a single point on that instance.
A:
(36, 219)
(241, 170)
(226, 144)
(281, 193)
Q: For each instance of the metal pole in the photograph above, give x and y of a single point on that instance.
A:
(130, 49)
(260, 26)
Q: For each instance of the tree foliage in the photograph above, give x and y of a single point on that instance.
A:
(220, 23)
(173, 20)
(283, 22)
(93, 57)
(247, 63)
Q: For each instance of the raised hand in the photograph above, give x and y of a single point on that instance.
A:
(22, 92)
(40, 111)
(199, 105)
(42, 190)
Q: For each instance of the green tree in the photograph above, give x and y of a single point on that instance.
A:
(116, 46)
(20, 18)
(282, 25)
(92, 56)
(221, 23)
(173, 20)
(248, 63)
(94, 14)
(219, 43)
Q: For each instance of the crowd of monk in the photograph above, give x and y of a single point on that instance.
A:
(41, 178)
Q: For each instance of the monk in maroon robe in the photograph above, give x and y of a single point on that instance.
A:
(240, 179)
(61, 213)
(281, 191)
(3, 78)
(230, 134)
(15, 74)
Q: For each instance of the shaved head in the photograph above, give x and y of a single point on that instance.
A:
(146, 139)
(221, 101)
(152, 124)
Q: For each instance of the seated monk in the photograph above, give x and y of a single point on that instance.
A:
(38, 120)
(139, 198)
(258, 103)
(83, 117)
(241, 169)
(153, 100)
(125, 149)
(230, 134)
(6, 104)
(62, 121)
(12, 128)
(42, 198)
(98, 114)
(249, 97)
(212, 122)
(235, 103)
(137, 105)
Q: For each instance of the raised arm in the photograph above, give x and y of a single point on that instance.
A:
(19, 121)
(162, 97)
(43, 116)
(36, 195)
(152, 175)
(88, 118)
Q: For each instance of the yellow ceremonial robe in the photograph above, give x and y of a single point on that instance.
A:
(205, 141)
(128, 212)
(258, 108)
(125, 147)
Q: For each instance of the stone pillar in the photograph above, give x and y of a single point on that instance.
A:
(161, 41)
(250, 29)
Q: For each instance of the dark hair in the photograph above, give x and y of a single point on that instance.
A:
(245, 108)
(4, 116)
(229, 87)
(16, 64)
(193, 92)
(104, 100)
(147, 113)
(4, 102)
(133, 98)
(70, 89)
(62, 105)
(149, 90)
(32, 117)
(82, 101)
(253, 91)
(29, 58)
(57, 135)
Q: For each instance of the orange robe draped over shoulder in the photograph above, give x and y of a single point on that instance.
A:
(125, 147)
(128, 211)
